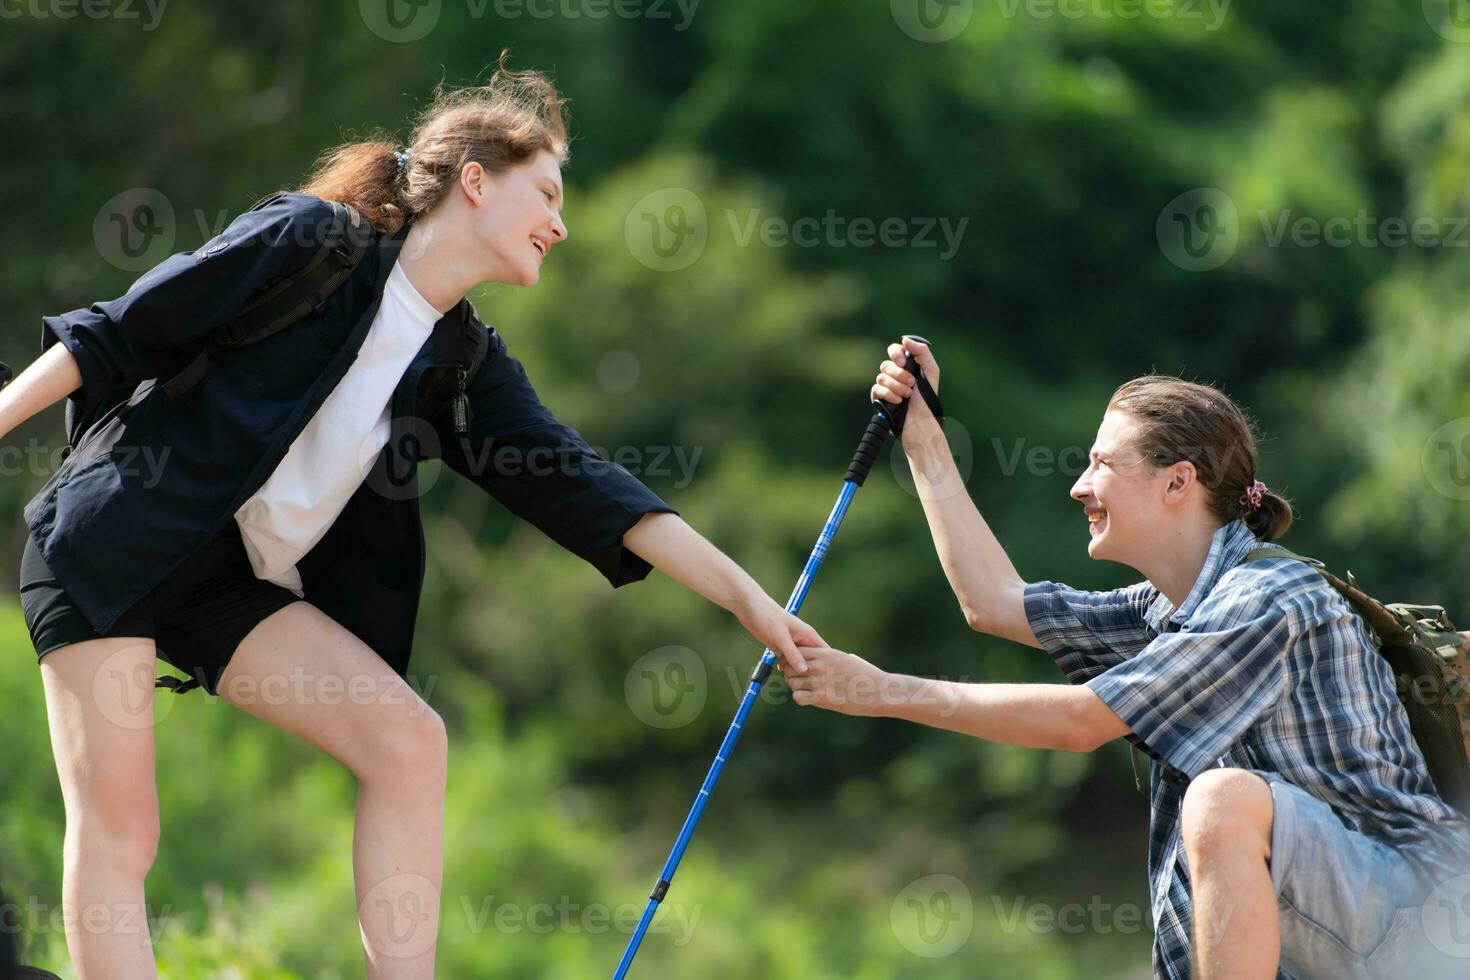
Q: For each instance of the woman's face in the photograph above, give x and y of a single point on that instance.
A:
(522, 220)
(1122, 493)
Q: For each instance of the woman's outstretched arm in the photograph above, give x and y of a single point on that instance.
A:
(668, 543)
(984, 581)
(50, 378)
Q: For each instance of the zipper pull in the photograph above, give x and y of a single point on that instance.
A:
(461, 404)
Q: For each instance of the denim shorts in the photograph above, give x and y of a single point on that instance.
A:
(196, 616)
(1352, 906)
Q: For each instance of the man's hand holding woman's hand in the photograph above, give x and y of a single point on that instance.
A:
(842, 682)
(781, 632)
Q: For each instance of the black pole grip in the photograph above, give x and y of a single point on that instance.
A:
(5, 375)
(887, 420)
(867, 450)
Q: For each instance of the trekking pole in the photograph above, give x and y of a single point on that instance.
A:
(887, 419)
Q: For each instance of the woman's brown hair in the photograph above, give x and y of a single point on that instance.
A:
(1184, 421)
(499, 125)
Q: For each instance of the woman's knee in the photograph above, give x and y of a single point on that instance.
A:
(411, 743)
(100, 713)
(118, 825)
(1226, 809)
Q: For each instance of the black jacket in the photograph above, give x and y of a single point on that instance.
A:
(148, 485)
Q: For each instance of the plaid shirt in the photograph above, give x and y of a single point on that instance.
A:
(1264, 667)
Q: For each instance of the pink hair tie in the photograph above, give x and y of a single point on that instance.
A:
(1252, 496)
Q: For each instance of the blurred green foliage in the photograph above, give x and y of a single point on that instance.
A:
(1060, 142)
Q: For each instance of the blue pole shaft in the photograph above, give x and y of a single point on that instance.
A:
(732, 735)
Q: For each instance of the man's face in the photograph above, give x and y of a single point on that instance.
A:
(1121, 492)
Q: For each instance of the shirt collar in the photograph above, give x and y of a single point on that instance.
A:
(1230, 543)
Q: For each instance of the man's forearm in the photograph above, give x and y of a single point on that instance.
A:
(979, 571)
(668, 543)
(50, 378)
(1042, 716)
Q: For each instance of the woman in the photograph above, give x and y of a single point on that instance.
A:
(1293, 822)
(252, 533)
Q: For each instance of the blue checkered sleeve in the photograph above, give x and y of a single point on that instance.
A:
(1087, 633)
(1190, 694)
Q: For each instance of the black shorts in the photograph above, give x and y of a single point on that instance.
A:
(196, 616)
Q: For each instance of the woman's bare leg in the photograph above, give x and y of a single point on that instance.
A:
(99, 705)
(303, 672)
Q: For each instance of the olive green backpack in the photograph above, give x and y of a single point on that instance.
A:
(1430, 661)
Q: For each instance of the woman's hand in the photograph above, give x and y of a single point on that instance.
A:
(780, 632)
(842, 682)
(895, 383)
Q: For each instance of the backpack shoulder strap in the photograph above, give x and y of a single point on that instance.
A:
(287, 301)
(1388, 627)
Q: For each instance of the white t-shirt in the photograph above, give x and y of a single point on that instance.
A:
(331, 457)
